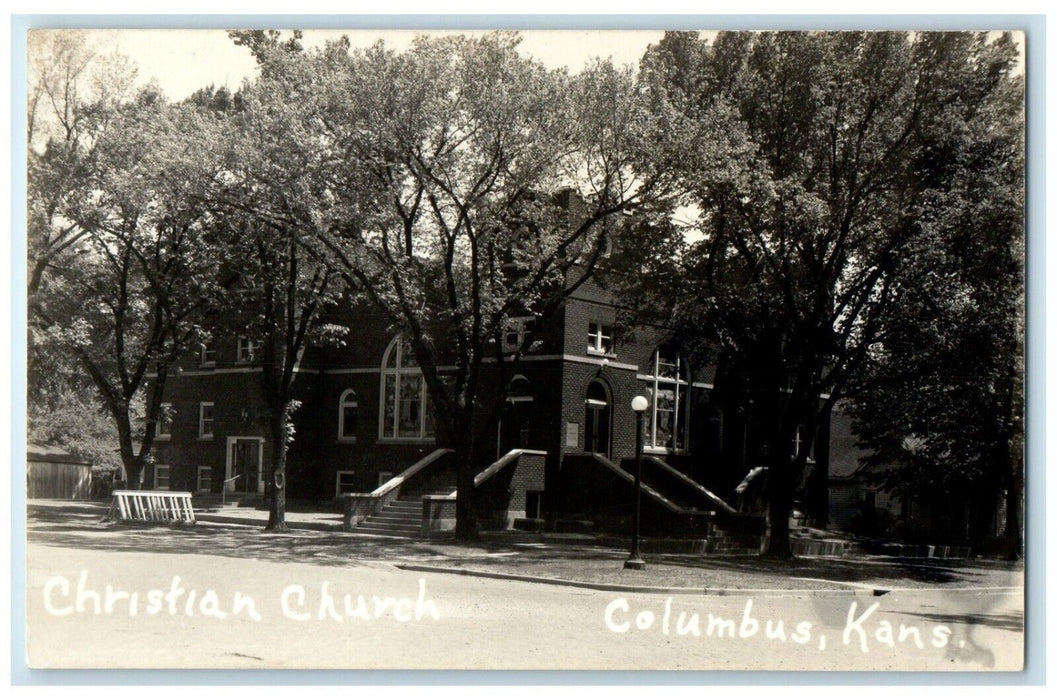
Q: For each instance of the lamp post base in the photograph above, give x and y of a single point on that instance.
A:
(635, 563)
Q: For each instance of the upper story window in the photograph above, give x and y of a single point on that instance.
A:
(205, 419)
(405, 406)
(599, 338)
(247, 349)
(348, 411)
(516, 332)
(208, 354)
(669, 387)
(163, 428)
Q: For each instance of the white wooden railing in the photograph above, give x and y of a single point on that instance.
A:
(154, 506)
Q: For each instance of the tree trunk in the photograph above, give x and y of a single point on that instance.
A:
(132, 462)
(1012, 537)
(465, 512)
(277, 481)
(780, 505)
(983, 506)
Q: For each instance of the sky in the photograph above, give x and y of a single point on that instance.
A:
(181, 61)
(184, 60)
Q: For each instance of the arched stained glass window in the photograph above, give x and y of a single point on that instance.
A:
(405, 407)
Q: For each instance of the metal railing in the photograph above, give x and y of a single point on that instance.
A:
(224, 488)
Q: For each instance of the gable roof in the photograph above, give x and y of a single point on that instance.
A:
(48, 453)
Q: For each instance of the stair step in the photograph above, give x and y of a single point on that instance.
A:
(394, 531)
(390, 524)
(442, 489)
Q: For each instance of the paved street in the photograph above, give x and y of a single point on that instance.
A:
(276, 615)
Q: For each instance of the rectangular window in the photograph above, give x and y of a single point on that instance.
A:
(161, 477)
(409, 417)
(348, 413)
(516, 332)
(205, 480)
(799, 440)
(205, 419)
(208, 356)
(246, 350)
(667, 366)
(533, 504)
(664, 416)
(343, 483)
(599, 338)
(389, 414)
(668, 389)
(163, 428)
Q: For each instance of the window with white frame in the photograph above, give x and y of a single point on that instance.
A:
(245, 351)
(205, 419)
(348, 412)
(161, 477)
(163, 427)
(599, 338)
(798, 442)
(208, 354)
(343, 482)
(516, 332)
(205, 479)
(405, 413)
(669, 388)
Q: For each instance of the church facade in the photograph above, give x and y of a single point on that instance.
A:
(365, 415)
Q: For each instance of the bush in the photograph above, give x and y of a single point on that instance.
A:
(869, 521)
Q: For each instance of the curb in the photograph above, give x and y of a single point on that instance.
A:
(622, 588)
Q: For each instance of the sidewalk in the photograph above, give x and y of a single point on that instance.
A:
(567, 560)
(239, 515)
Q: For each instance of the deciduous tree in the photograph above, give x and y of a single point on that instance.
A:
(474, 185)
(123, 290)
(803, 244)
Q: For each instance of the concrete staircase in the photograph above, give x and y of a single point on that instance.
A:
(208, 502)
(724, 542)
(402, 517)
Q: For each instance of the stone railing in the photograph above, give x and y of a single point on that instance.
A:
(360, 506)
(499, 493)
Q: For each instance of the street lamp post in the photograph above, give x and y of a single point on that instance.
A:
(639, 404)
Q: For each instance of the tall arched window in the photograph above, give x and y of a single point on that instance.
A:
(405, 410)
(668, 383)
(348, 411)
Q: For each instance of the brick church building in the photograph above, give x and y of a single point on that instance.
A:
(560, 448)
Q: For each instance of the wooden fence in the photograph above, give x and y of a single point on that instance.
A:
(58, 480)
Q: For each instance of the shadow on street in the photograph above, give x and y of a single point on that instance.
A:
(80, 527)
